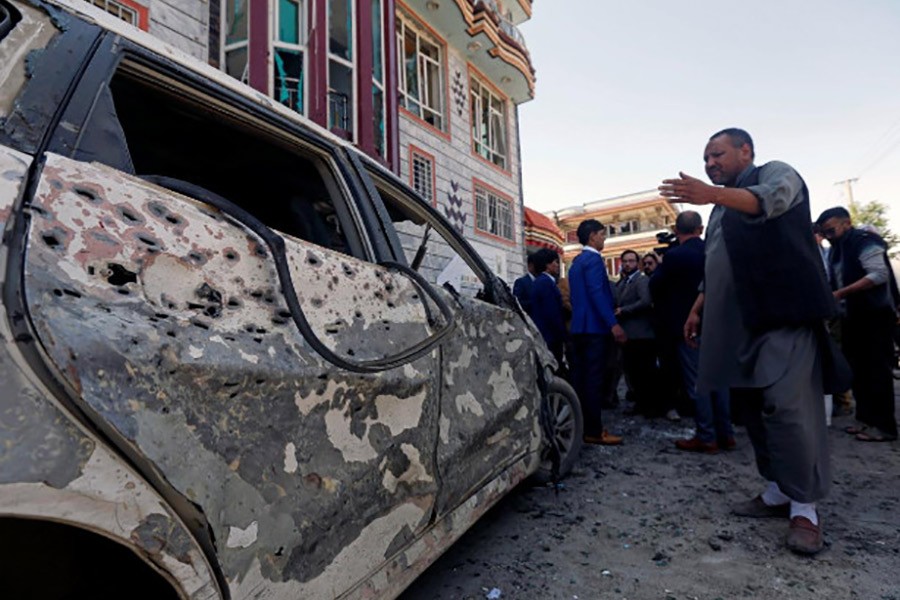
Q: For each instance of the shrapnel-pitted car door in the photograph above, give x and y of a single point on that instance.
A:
(490, 395)
(169, 318)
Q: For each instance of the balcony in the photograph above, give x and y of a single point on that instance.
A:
(488, 38)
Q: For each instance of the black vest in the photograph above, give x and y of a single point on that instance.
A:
(845, 256)
(778, 271)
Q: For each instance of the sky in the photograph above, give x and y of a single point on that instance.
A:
(629, 92)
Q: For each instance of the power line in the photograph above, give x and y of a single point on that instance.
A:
(884, 155)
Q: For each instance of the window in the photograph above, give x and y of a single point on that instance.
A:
(421, 168)
(420, 73)
(493, 213)
(443, 260)
(488, 112)
(126, 10)
(341, 60)
(182, 135)
(378, 81)
(235, 48)
(289, 52)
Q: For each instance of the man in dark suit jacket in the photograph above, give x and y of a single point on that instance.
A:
(675, 286)
(522, 286)
(546, 302)
(594, 327)
(635, 312)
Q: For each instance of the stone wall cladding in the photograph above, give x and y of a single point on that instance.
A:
(456, 163)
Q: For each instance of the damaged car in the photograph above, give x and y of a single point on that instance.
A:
(240, 359)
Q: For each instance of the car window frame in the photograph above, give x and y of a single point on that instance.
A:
(494, 290)
(114, 50)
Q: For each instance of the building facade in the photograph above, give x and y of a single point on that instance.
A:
(428, 88)
(632, 222)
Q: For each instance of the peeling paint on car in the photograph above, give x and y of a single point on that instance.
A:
(215, 421)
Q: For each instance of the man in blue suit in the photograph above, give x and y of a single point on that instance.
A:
(546, 302)
(522, 286)
(594, 327)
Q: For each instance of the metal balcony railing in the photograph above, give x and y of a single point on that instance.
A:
(506, 26)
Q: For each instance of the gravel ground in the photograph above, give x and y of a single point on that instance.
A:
(646, 521)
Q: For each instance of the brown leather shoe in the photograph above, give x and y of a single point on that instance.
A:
(604, 439)
(758, 509)
(803, 537)
(694, 444)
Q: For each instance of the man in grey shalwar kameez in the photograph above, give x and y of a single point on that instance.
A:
(764, 299)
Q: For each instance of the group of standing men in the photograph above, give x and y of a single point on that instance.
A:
(754, 325)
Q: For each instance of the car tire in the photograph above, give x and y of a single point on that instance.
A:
(567, 424)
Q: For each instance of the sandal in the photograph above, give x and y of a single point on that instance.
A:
(875, 436)
(856, 429)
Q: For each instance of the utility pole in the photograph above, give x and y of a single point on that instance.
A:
(848, 183)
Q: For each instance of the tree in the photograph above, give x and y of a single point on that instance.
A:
(874, 213)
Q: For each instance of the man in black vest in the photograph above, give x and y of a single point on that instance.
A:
(764, 301)
(863, 280)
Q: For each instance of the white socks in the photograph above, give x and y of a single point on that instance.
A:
(798, 509)
(773, 496)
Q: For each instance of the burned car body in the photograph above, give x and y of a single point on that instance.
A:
(230, 368)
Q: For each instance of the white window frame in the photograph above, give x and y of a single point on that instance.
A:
(422, 183)
(494, 214)
(243, 44)
(491, 151)
(302, 46)
(435, 106)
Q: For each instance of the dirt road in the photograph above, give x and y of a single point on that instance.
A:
(645, 521)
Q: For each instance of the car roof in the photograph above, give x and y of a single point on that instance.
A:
(90, 13)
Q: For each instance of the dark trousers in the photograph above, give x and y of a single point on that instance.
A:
(869, 348)
(639, 364)
(671, 386)
(587, 372)
(712, 410)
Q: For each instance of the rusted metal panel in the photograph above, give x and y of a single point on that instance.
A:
(168, 317)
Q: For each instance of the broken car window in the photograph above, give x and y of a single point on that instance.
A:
(170, 133)
(425, 247)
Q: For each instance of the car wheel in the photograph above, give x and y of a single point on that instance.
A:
(567, 426)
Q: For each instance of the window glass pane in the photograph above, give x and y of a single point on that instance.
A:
(236, 63)
(288, 78)
(340, 28)
(498, 136)
(410, 66)
(235, 21)
(289, 21)
(433, 81)
(378, 117)
(429, 50)
(340, 96)
(377, 43)
(493, 214)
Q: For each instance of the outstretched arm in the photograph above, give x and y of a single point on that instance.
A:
(693, 191)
